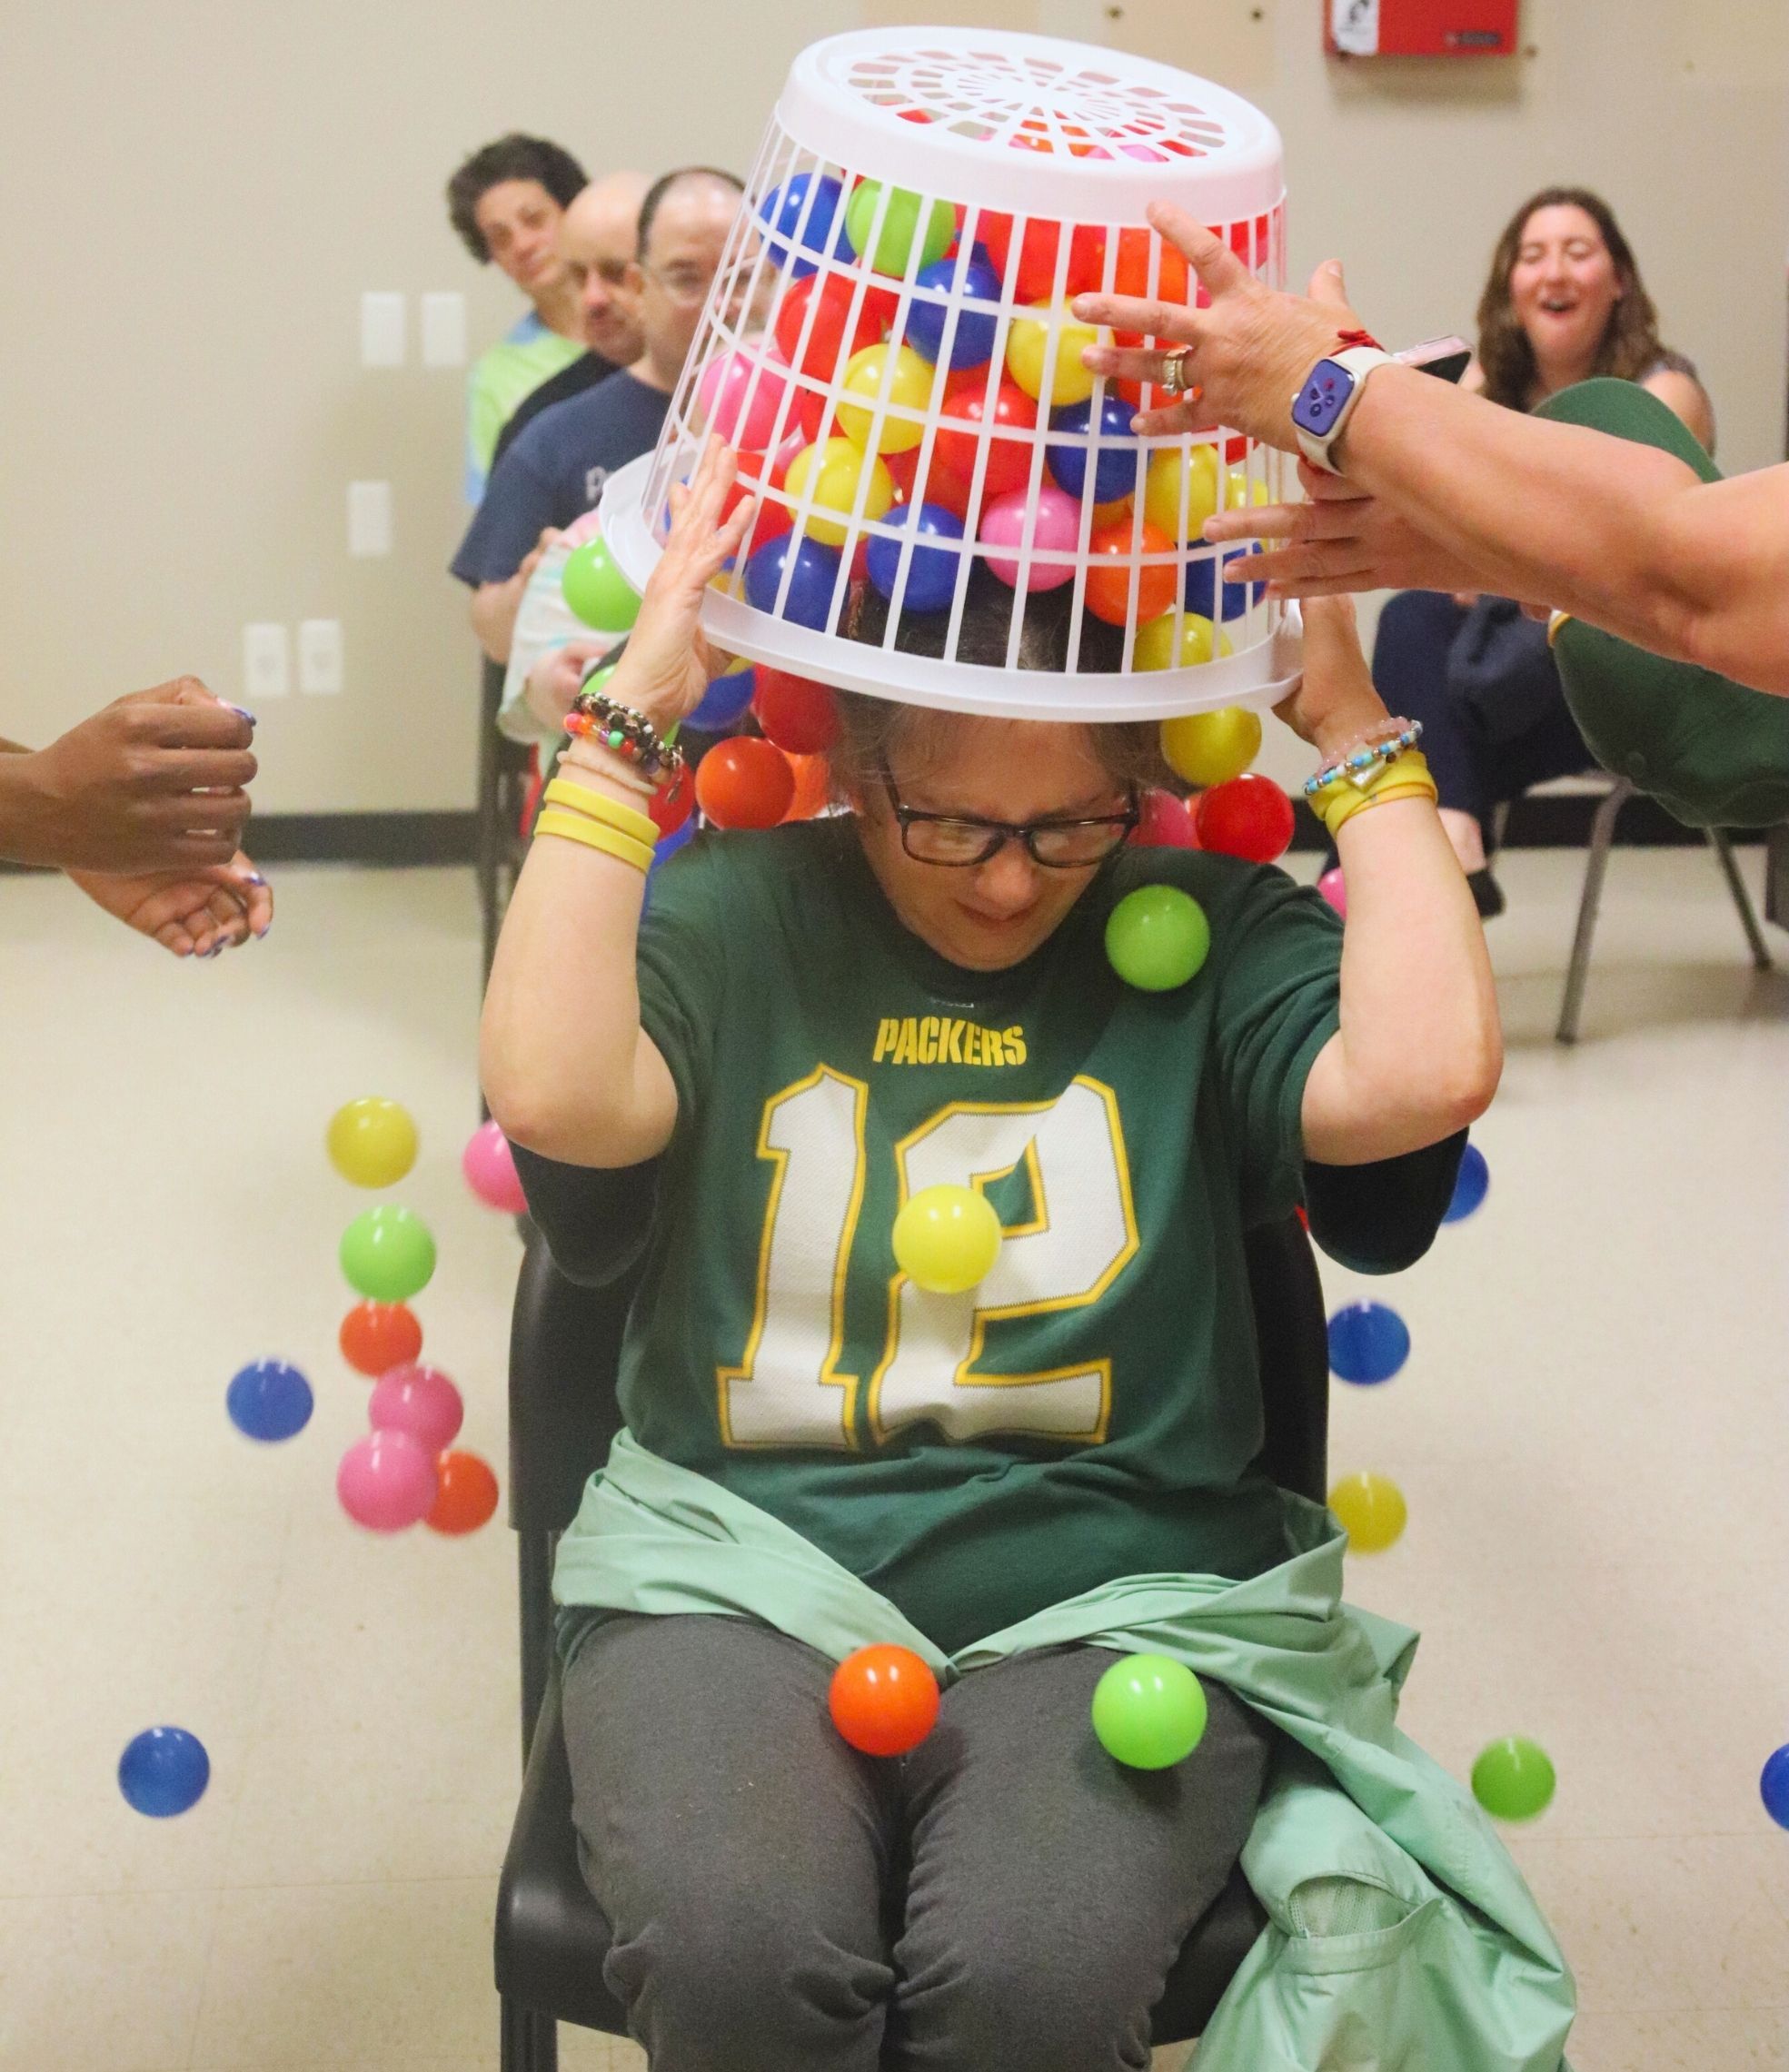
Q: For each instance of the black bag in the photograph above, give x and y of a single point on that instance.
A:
(1500, 671)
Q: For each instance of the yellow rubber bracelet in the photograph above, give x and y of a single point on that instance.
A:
(1554, 622)
(1410, 786)
(585, 799)
(574, 828)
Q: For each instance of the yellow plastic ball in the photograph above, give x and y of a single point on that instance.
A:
(946, 1239)
(909, 386)
(1371, 1511)
(1028, 355)
(830, 474)
(1177, 473)
(1211, 748)
(371, 1142)
(1239, 492)
(1177, 641)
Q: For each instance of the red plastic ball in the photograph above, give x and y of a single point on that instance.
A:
(1107, 589)
(672, 804)
(883, 1699)
(1166, 823)
(377, 1336)
(467, 1495)
(744, 782)
(799, 717)
(1008, 460)
(1248, 817)
(941, 485)
(1034, 280)
(828, 347)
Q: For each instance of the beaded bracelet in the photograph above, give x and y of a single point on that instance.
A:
(1408, 778)
(575, 828)
(627, 733)
(1359, 765)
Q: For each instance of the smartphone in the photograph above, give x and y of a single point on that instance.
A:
(1447, 357)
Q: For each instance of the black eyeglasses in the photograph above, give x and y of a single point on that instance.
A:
(959, 841)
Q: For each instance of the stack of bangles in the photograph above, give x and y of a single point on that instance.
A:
(616, 742)
(1387, 765)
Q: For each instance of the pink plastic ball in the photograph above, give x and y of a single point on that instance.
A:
(490, 1169)
(1058, 529)
(386, 1481)
(421, 1402)
(743, 412)
(1334, 889)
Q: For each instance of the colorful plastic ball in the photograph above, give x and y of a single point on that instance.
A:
(1371, 1511)
(1471, 1184)
(1149, 1711)
(386, 1481)
(1180, 491)
(865, 422)
(388, 1254)
(971, 344)
(740, 395)
(800, 717)
(489, 1166)
(467, 1495)
(1008, 462)
(946, 1239)
(1158, 937)
(1119, 549)
(1033, 277)
(1139, 252)
(1368, 1342)
(269, 1401)
(1177, 641)
(162, 1772)
(833, 476)
(1248, 817)
(1335, 888)
(1116, 468)
(810, 585)
(1053, 519)
(1206, 590)
(836, 331)
(1211, 748)
(1164, 822)
(377, 1335)
(420, 1400)
(883, 1699)
(745, 783)
(781, 210)
(1773, 1786)
(720, 705)
(371, 1142)
(931, 570)
(670, 806)
(596, 591)
(681, 837)
(1513, 1779)
(1055, 384)
(906, 222)
(1240, 491)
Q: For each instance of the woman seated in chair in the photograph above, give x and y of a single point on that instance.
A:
(1564, 302)
(810, 1026)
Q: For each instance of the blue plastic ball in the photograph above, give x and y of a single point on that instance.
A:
(1203, 588)
(164, 1770)
(723, 702)
(1773, 1786)
(269, 1400)
(781, 210)
(810, 588)
(1472, 1185)
(1368, 1342)
(931, 575)
(972, 341)
(1115, 472)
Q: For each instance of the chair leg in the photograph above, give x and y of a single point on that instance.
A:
(1577, 974)
(1723, 848)
(530, 2040)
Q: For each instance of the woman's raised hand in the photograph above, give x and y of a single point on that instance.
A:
(1335, 702)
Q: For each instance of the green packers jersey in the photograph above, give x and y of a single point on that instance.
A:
(1092, 1408)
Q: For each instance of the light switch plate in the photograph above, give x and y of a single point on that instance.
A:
(320, 656)
(381, 330)
(445, 330)
(266, 662)
(369, 519)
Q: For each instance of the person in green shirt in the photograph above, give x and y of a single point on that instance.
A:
(810, 1026)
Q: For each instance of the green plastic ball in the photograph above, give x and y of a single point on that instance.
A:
(1513, 1779)
(596, 589)
(1149, 1711)
(388, 1255)
(901, 227)
(1158, 937)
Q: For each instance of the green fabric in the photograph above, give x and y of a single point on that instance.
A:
(1100, 1414)
(1713, 752)
(1400, 1933)
(501, 376)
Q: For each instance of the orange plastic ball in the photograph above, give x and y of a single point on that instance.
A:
(744, 782)
(466, 1497)
(883, 1699)
(378, 1336)
(813, 788)
(1107, 588)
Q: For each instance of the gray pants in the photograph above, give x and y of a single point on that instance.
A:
(1006, 1899)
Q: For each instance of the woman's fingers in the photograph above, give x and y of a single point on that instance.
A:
(1219, 270)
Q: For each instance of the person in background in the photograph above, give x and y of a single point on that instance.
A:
(505, 202)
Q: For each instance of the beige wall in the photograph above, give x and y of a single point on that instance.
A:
(199, 192)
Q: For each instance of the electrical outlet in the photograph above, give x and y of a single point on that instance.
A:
(369, 519)
(320, 656)
(266, 663)
(382, 330)
(445, 330)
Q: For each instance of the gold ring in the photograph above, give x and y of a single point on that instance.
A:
(1174, 373)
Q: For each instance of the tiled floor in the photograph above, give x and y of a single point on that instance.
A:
(1591, 1433)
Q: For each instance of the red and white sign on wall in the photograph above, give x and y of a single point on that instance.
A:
(1420, 28)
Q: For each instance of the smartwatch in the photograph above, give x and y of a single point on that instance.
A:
(1326, 401)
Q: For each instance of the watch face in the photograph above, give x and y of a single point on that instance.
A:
(1320, 401)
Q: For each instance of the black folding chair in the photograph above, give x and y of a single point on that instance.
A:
(551, 1938)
